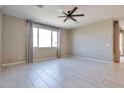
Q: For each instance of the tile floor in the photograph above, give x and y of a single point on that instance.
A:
(63, 73)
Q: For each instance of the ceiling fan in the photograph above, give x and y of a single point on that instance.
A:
(70, 14)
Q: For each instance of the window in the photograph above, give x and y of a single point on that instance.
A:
(54, 39)
(121, 43)
(35, 37)
(44, 38)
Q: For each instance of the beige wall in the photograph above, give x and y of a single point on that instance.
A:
(0, 39)
(14, 42)
(42, 53)
(64, 43)
(14, 39)
(93, 41)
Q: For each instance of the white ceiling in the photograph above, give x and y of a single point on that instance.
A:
(48, 14)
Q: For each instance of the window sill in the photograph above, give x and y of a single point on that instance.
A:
(44, 47)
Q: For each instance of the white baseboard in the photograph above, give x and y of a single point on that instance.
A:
(21, 62)
(93, 59)
(36, 60)
(50, 58)
(44, 59)
(62, 56)
(8, 64)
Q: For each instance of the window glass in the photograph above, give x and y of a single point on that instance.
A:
(54, 39)
(35, 37)
(44, 38)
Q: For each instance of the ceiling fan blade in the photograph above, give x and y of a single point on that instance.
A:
(73, 19)
(65, 19)
(61, 16)
(74, 9)
(64, 13)
(77, 15)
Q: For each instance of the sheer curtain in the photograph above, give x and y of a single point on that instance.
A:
(59, 44)
(29, 42)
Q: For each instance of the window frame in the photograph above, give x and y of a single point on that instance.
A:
(51, 38)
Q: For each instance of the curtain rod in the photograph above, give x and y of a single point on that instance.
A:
(43, 24)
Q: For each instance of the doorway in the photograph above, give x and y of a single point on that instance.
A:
(121, 45)
(116, 50)
(118, 41)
